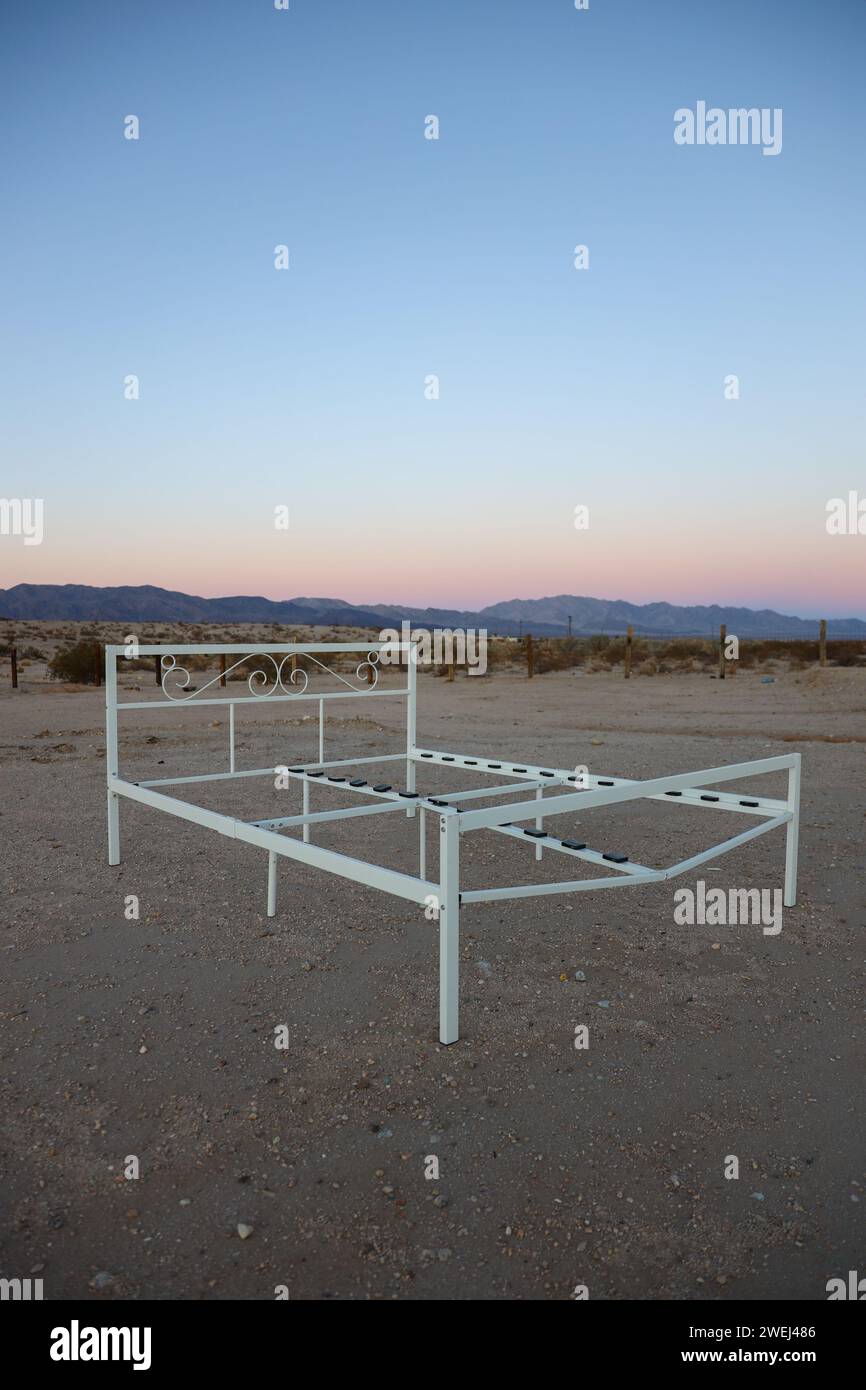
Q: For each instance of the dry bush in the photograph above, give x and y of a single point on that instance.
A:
(846, 653)
(80, 664)
(688, 651)
(558, 654)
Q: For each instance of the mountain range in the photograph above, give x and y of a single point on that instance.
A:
(544, 617)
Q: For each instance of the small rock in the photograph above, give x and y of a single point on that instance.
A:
(579, 975)
(244, 1231)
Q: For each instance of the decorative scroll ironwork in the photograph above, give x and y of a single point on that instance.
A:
(262, 683)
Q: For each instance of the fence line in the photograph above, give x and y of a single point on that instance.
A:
(526, 641)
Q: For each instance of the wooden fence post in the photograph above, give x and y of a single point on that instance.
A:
(222, 669)
(14, 655)
(451, 670)
(822, 643)
(157, 669)
(723, 632)
(629, 635)
(529, 655)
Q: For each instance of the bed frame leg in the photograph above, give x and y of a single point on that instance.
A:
(449, 930)
(113, 828)
(793, 834)
(272, 884)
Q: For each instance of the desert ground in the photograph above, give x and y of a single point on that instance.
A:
(305, 1168)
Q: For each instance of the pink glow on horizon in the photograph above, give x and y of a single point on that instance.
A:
(815, 575)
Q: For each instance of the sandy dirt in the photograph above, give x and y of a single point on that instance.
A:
(602, 1167)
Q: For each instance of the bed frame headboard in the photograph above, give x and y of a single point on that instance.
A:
(275, 679)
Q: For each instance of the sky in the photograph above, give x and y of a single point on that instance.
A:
(411, 258)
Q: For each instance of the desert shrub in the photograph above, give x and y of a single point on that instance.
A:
(847, 653)
(689, 649)
(558, 654)
(82, 663)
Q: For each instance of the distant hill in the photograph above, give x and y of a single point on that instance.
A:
(544, 617)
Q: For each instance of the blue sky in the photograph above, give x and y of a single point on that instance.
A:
(454, 257)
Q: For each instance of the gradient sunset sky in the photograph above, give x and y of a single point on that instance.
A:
(412, 257)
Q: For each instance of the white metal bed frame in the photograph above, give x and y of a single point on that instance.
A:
(287, 684)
